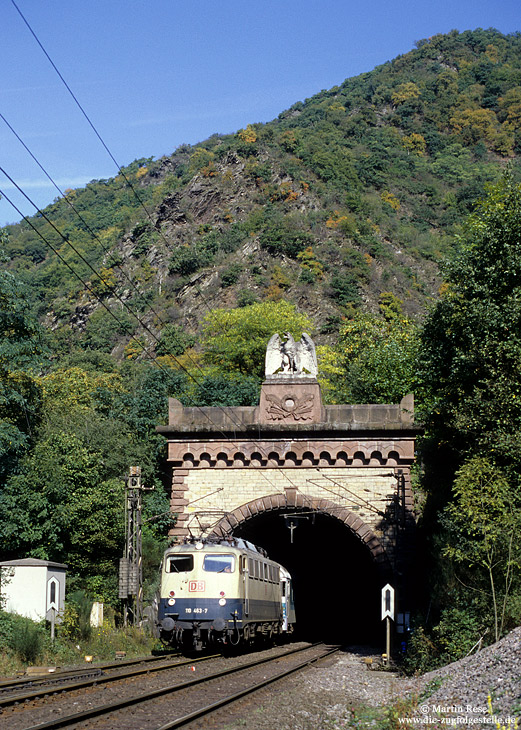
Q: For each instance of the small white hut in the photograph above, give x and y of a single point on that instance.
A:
(33, 588)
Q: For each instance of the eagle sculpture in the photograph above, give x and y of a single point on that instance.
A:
(287, 357)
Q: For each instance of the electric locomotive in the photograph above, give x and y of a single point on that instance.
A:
(223, 591)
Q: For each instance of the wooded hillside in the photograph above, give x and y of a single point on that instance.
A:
(354, 216)
(351, 193)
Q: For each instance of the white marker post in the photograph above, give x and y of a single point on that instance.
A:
(388, 614)
(53, 601)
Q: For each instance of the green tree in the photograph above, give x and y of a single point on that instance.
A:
(484, 524)
(20, 354)
(174, 340)
(374, 360)
(59, 508)
(236, 339)
(283, 237)
(224, 389)
(470, 354)
(405, 92)
(470, 379)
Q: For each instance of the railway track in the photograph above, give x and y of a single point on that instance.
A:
(50, 678)
(177, 703)
(65, 681)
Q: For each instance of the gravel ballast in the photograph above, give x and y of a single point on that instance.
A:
(343, 692)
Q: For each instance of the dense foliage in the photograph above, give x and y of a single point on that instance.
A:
(472, 342)
(355, 191)
(20, 350)
(470, 373)
(332, 219)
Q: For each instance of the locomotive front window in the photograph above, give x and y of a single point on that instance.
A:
(180, 563)
(219, 563)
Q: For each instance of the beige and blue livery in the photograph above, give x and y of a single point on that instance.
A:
(224, 592)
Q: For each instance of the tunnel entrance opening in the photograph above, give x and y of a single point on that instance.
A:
(336, 582)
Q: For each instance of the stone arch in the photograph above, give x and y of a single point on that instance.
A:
(274, 459)
(360, 459)
(393, 458)
(376, 458)
(298, 501)
(206, 459)
(239, 459)
(342, 458)
(189, 459)
(222, 459)
(325, 459)
(308, 459)
(256, 459)
(290, 459)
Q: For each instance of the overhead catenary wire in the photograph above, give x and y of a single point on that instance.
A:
(59, 256)
(105, 145)
(140, 201)
(129, 309)
(98, 135)
(92, 233)
(71, 205)
(94, 294)
(73, 95)
(89, 230)
(66, 240)
(95, 130)
(112, 157)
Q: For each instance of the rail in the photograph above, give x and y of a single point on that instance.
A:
(47, 687)
(98, 711)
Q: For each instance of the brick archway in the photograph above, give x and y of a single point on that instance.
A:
(275, 502)
(348, 462)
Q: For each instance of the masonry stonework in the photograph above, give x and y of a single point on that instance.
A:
(291, 452)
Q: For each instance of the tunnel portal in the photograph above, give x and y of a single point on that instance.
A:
(342, 471)
(336, 582)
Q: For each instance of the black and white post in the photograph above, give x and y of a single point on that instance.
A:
(388, 615)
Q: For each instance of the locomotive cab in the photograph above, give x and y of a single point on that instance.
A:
(199, 594)
(221, 592)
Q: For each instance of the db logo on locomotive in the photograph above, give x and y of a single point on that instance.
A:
(196, 586)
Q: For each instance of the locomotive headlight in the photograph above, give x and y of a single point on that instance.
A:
(171, 601)
(199, 546)
(222, 601)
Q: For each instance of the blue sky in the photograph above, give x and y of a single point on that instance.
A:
(153, 74)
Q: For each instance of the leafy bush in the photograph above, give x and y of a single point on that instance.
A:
(234, 389)
(457, 633)
(174, 340)
(231, 275)
(103, 330)
(76, 623)
(307, 277)
(281, 238)
(344, 289)
(246, 297)
(185, 260)
(455, 636)
(22, 635)
(422, 653)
